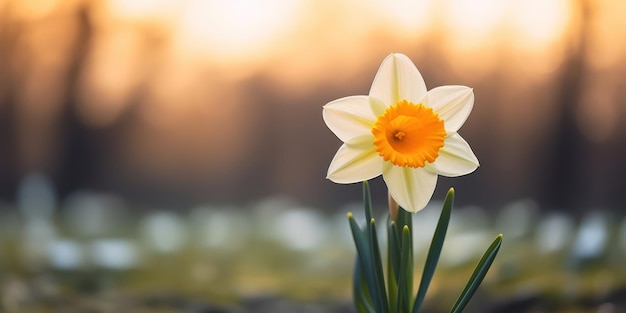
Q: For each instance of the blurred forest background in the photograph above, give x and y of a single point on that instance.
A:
(171, 103)
(165, 106)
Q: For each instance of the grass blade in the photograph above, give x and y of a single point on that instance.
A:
(478, 275)
(405, 219)
(364, 253)
(435, 250)
(406, 261)
(362, 298)
(378, 267)
(393, 264)
(367, 201)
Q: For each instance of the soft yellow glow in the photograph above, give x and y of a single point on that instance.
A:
(107, 82)
(171, 43)
(33, 9)
(474, 17)
(406, 15)
(537, 22)
(530, 25)
(605, 50)
(236, 28)
(242, 36)
(142, 9)
(473, 22)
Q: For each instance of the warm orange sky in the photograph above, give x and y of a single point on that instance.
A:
(297, 42)
(189, 71)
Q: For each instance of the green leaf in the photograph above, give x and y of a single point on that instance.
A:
(435, 250)
(367, 201)
(403, 279)
(362, 299)
(393, 264)
(405, 219)
(364, 254)
(369, 254)
(478, 275)
(378, 266)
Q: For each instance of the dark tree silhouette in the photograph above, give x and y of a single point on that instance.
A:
(77, 161)
(564, 186)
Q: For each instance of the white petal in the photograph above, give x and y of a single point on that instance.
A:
(378, 106)
(412, 188)
(356, 161)
(456, 158)
(398, 79)
(349, 117)
(453, 104)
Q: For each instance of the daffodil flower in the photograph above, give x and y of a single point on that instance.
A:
(402, 131)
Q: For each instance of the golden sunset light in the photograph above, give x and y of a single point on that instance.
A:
(235, 30)
(168, 63)
(246, 34)
(215, 107)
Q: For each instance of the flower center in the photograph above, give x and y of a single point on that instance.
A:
(409, 134)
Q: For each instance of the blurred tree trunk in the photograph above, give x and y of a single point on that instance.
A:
(565, 183)
(76, 166)
(8, 171)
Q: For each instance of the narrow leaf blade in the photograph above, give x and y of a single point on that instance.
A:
(367, 201)
(393, 264)
(362, 298)
(377, 268)
(435, 250)
(478, 275)
(405, 219)
(403, 278)
(364, 253)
